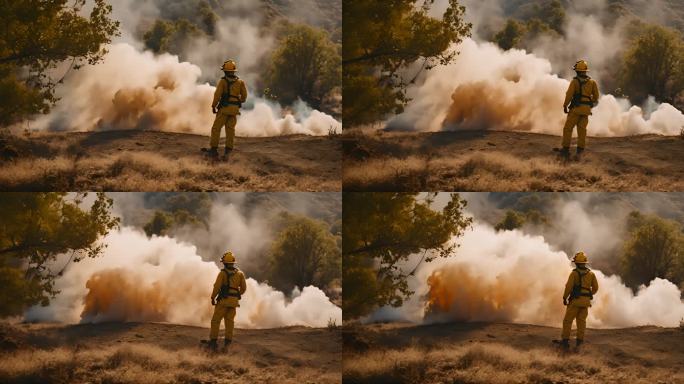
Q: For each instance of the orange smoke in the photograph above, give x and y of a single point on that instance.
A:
(115, 295)
(457, 294)
(481, 106)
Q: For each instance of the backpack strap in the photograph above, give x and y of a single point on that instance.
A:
(227, 98)
(577, 96)
(227, 290)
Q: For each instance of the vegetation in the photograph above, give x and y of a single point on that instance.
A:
(512, 220)
(170, 36)
(654, 248)
(306, 65)
(44, 37)
(304, 253)
(380, 233)
(653, 65)
(35, 228)
(387, 38)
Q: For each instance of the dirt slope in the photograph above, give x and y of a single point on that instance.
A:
(164, 353)
(509, 353)
(161, 161)
(509, 161)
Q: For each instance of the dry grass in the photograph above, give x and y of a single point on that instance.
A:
(508, 161)
(483, 171)
(143, 363)
(158, 161)
(146, 171)
(493, 363)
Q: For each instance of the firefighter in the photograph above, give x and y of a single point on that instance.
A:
(582, 95)
(579, 291)
(230, 93)
(229, 287)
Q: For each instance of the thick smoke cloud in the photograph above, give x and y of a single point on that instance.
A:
(136, 89)
(161, 279)
(513, 277)
(487, 88)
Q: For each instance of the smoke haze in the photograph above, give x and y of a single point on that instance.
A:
(136, 89)
(519, 275)
(162, 279)
(488, 88)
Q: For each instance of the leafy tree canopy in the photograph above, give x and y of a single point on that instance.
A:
(653, 64)
(304, 253)
(380, 232)
(381, 40)
(654, 248)
(35, 228)
(41, 39)
(306, 65)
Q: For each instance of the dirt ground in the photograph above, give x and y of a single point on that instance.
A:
(163, 353)
(509, 353)
(508, 161)
(137, 160)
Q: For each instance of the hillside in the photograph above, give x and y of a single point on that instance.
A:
(508, 353)
(164, 353)
(138, 160)
(508, 161)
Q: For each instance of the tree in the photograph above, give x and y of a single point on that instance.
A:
(381, 40)
(655, 248)
(511, 35)
(39, 37)
(170, 36)
(159, 225)
(304, 253)
(306, 65)
(380, 232)
(35, 228)
(512, 220)
(653, 65)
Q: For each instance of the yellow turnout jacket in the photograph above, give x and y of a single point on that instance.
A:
(237, 285)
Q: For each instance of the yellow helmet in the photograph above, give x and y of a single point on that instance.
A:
(228, 258)
(581, 66)
(580, 258)
(229, 66)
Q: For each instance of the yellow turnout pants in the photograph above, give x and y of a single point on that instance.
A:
(581, 121)
(574, 312)
(222, 312)
(227, 120)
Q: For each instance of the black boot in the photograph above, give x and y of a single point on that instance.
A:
(565, 344)
(578, 342)
(564, 152)
(226, 344)
(213, 345)
(579, 151)
(213, 152)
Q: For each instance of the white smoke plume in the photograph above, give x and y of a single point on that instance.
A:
(161, 279)
(487, 88)
(135, 89)
(138, 90)
(509, 276)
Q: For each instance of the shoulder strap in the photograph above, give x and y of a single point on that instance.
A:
(228, 276)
